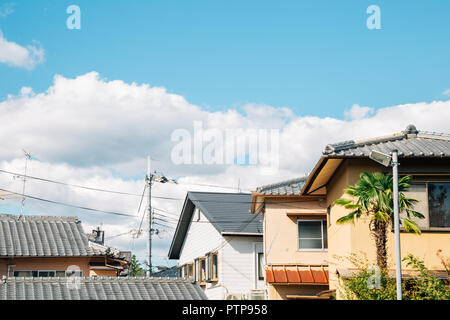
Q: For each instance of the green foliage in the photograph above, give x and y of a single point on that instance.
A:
(135, 267)
(357, 288)
(424, 286)
(374, 195)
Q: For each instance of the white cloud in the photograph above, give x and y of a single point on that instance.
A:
(446, 92)
(18, 56)
(95, 132)
(358, 112)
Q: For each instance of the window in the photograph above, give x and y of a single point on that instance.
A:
(185, 271)
(208, 267)
(48, 273)
(439, 204)
(260, 266)
(25, 273)
(214, 270)
(197, 270)
(202, 270)
(190, 272)
(312, 235)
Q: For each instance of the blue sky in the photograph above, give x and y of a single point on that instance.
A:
(275, 62)
(315, 57)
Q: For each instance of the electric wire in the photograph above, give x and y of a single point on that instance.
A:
(70, 205)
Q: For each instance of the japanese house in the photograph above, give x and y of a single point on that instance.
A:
(218, 244)
(51, 246)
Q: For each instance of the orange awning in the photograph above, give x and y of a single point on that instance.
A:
(297, 274)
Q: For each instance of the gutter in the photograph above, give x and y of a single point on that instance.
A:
(231, 233)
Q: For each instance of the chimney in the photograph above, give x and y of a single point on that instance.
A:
(98, 236)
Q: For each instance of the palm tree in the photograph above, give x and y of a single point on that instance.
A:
(373, 196)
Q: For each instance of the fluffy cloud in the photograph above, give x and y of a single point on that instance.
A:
(18, 56)
(358, 112)
(446, 92)
(96, 132)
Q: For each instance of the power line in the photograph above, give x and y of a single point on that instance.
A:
(106, 190)
(69, 205)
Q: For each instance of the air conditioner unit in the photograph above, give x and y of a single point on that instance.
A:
(256, 295)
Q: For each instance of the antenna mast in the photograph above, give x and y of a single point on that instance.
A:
(27, 157)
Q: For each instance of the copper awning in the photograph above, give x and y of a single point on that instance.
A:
(297, 274)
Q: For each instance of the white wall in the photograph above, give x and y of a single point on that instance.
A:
(239, 264)
(201, 238)
(237, 258)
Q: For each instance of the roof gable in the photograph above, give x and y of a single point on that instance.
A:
(228, 212)
(408, 143)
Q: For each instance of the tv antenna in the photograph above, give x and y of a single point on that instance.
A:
(27, 157)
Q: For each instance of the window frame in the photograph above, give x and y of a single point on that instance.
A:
(323, 223)
(197, 270)
(190, 270)
(202, 280)
(213, 277)
(427, 196)
(260, 268)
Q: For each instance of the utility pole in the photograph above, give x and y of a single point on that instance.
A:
(149, 217)
(149, 179)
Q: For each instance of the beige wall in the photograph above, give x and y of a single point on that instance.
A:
(53, 263)
(280, 292)
(281, 233)
(281, 242)
(103, 273)
(355, 238)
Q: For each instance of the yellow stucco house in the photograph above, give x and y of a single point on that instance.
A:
(304, 246)
(423, 155)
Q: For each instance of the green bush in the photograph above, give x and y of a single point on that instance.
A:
(375, 284)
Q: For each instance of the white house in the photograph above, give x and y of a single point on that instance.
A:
(218, 244)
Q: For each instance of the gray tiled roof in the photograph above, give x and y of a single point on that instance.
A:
(227, 212)
(284, 188)
(99, 288)
(47, 236)
(409, 143)
(172, 272)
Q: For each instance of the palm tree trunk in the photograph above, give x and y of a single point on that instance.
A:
(379, 232)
